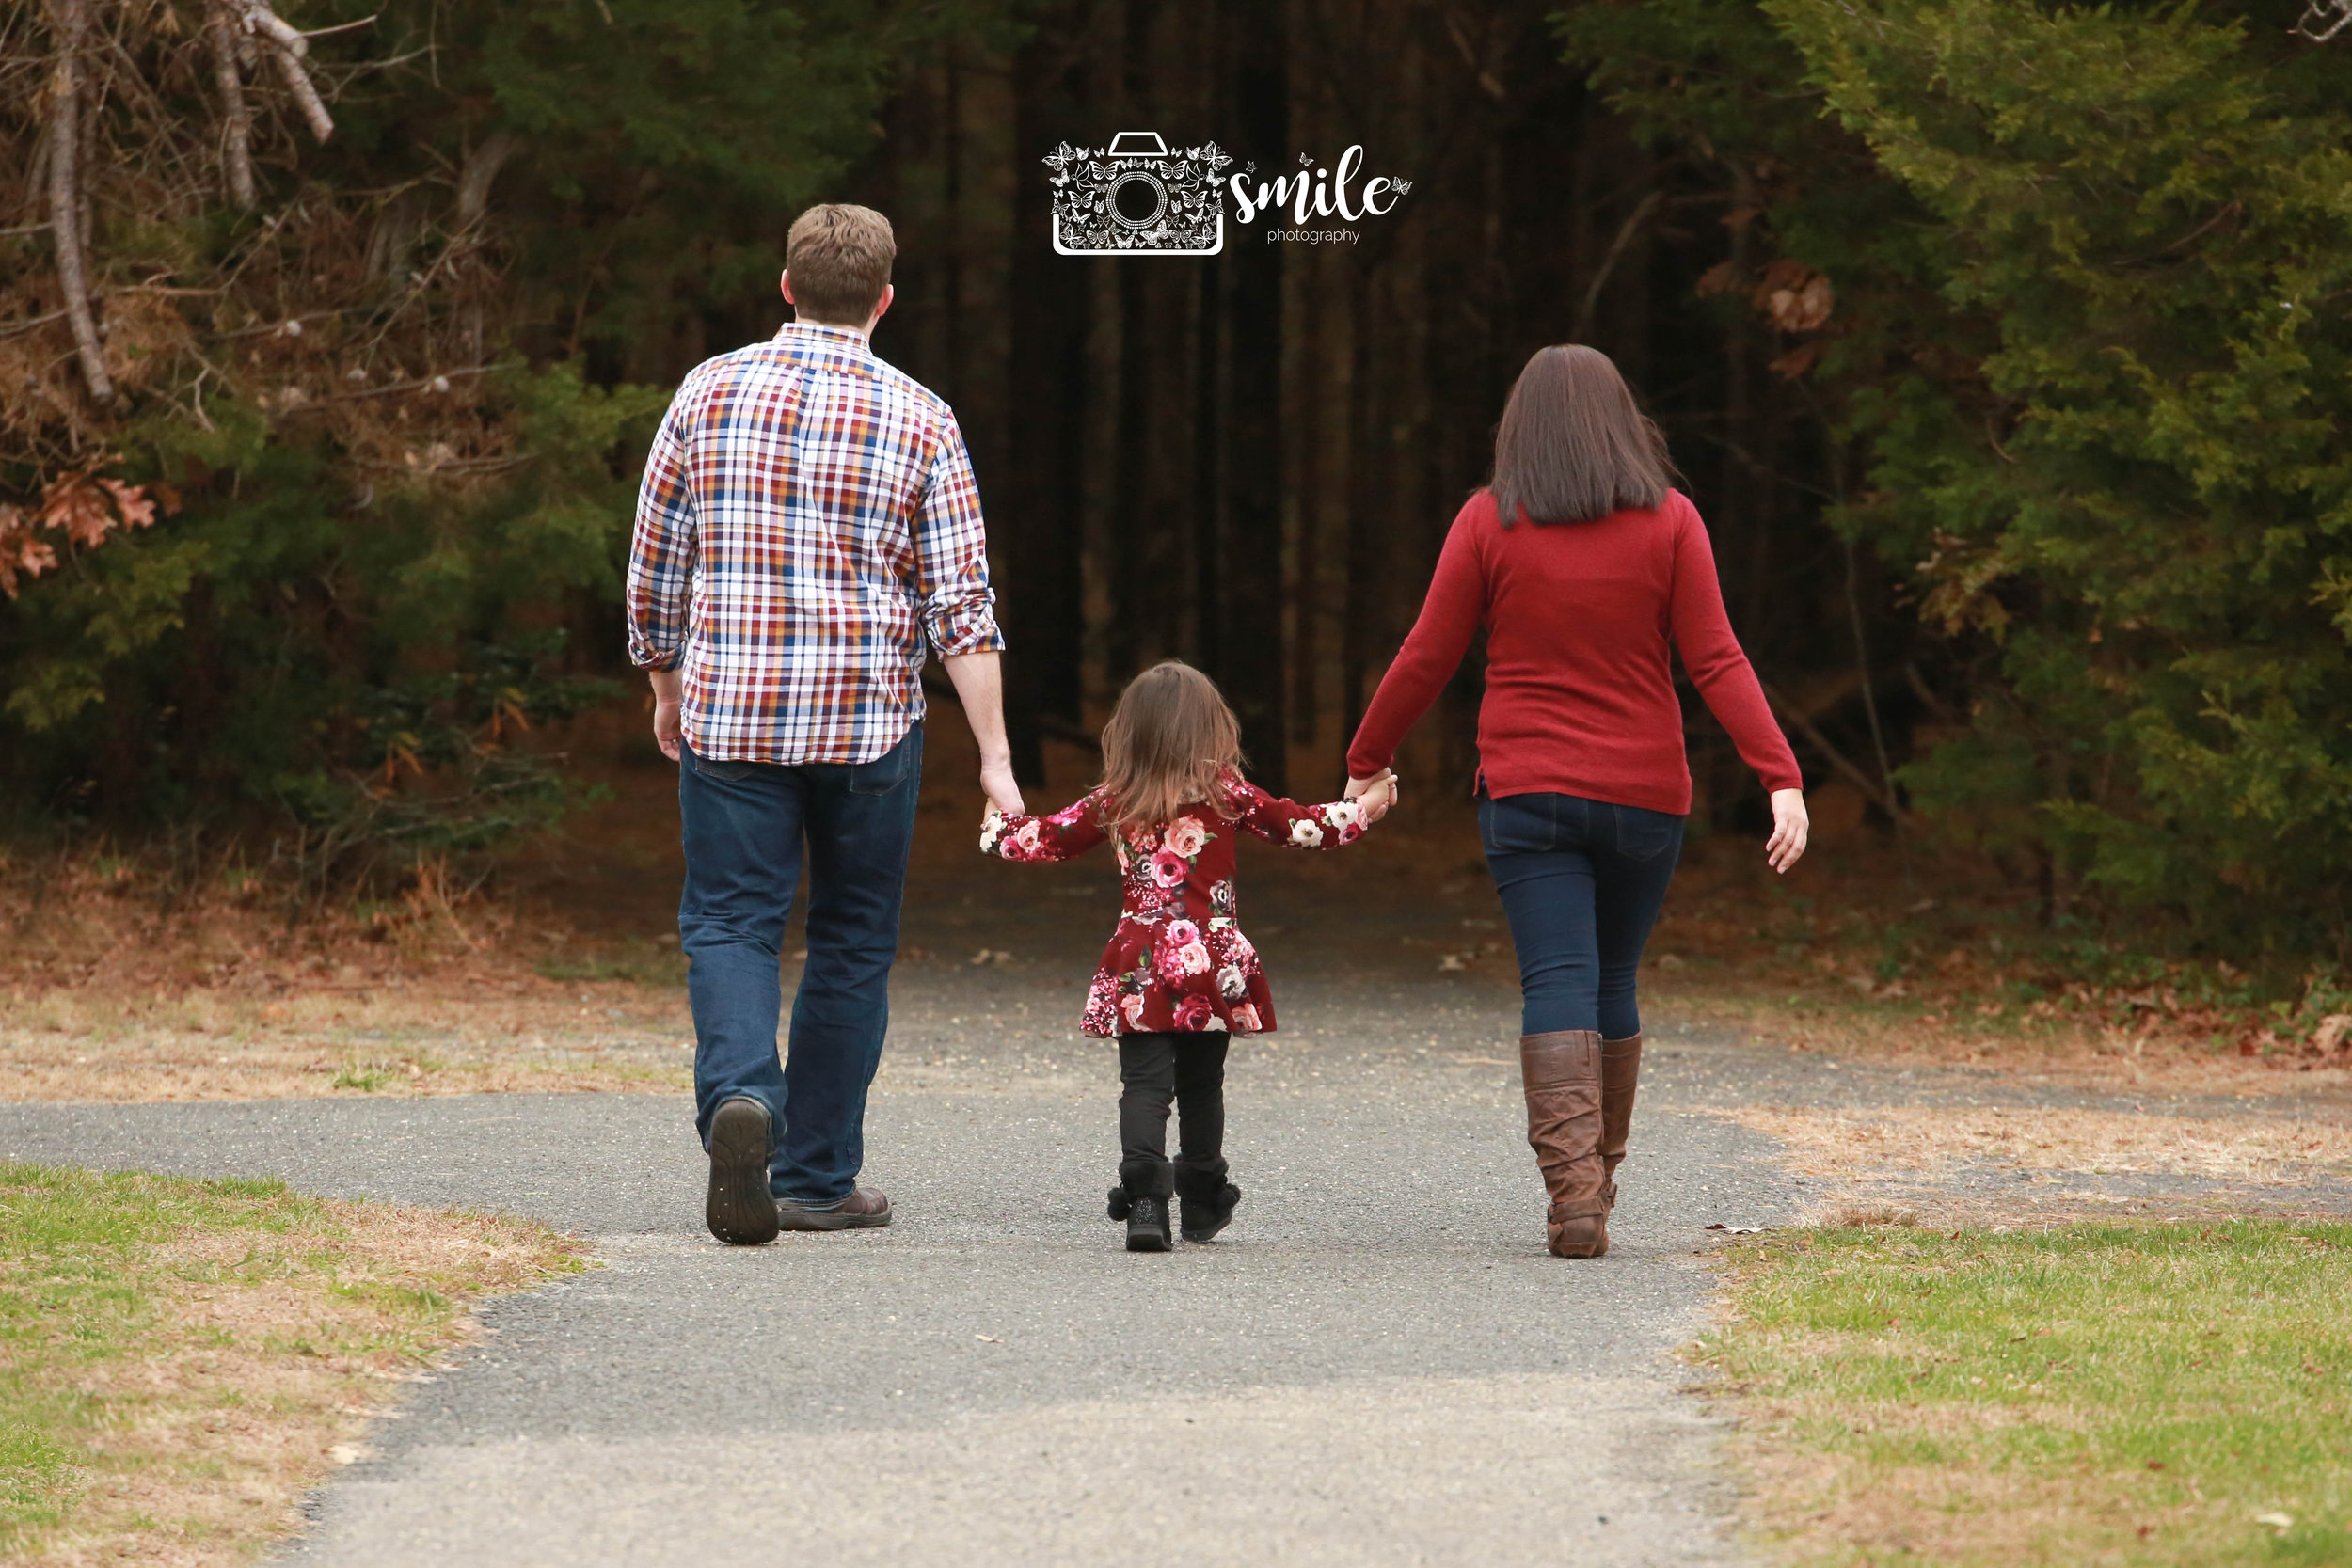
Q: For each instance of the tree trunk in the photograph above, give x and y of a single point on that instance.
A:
(236, 119)
(1250, 648)
(66, 205)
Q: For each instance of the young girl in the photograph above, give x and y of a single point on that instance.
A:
(1178, 977)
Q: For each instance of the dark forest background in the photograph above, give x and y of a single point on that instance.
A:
(2000, 343)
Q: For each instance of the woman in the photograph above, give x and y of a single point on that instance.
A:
(1583, 564)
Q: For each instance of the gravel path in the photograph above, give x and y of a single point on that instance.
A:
(1381, 1366)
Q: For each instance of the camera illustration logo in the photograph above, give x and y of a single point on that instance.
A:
(1135, 197)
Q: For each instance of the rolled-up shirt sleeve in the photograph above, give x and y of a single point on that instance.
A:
(661, 551)
(958, 607)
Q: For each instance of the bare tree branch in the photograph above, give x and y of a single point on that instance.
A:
(1590, 307)
(1871, 788)
(65, 193)
(236, 119)
(259, 19)
(306, 93)
(286, 46)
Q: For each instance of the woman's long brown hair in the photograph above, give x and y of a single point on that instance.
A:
(1169, 744)
(1572, 446)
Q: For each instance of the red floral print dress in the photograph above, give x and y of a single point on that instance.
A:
(1178, 962)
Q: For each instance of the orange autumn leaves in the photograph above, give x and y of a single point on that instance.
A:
(81, 506)
(1793, 296)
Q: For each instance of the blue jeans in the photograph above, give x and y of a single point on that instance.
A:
(743, 823)
(1581, 882)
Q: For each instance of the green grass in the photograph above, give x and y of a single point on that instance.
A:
(2126, 1394)
(134, 1309)
(71, 1294)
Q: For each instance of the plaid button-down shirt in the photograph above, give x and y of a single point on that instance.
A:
(807, 519)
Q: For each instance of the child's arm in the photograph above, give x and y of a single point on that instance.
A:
(1069, 832)
(1279, 821)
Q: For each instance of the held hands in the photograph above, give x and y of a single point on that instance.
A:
(1375, 794)
(1790, 828)
(996, 783)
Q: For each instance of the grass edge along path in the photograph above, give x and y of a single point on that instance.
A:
(181, 1359)
(2157, 1393)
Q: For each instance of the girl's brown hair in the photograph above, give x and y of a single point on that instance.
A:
(1572, 446)
(1169, 743)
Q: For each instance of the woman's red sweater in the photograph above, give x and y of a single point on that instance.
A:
(1579, 687)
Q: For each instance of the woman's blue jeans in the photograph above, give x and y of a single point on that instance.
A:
(1581, 882)
(744, 826)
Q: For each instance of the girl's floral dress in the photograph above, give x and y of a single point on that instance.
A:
(1177, 963)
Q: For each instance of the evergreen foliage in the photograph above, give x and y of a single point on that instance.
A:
(395, 407)
(2090, 354)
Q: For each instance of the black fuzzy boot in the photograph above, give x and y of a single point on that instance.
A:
(1208, 1198)
(1141, 1200)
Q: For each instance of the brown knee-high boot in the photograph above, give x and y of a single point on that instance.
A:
(1620, 1072)
(1562, 1075)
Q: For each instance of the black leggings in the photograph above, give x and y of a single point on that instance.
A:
(1154, 1070)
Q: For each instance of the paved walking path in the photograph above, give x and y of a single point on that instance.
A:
(1380, 1365)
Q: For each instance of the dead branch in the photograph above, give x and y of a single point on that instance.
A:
(1626, 232)
(11, 328)
(306, 94)
(1871, 789)
(434, 383)
(236, 119)
(65, 193)
(340, 27)
(286, 46)
(259, 19)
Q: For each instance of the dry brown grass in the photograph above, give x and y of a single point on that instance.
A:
(122, 985)
(1824, 1507)
(1931, 959)
(208, 1377)
(421, 1037)
(138, 978)
(1926, 1140)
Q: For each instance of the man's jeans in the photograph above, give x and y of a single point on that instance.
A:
(744, 822)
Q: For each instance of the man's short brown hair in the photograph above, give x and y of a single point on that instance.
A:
(839, 256)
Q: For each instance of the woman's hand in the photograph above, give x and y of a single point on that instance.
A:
(1790, 828)
(1377, 793)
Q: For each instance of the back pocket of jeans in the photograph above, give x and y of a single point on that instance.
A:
(1642, 834)
(889, 771)
(726, 772)
(1516, 824)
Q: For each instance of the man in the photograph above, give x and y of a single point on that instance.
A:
(808, 520)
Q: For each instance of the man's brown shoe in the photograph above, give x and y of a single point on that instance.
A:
(738, 1207)
(863, 1210)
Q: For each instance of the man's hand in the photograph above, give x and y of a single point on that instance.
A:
(1378, 793)
(996, 783)
(668, 691)
(980, 684)
(1792, 827)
